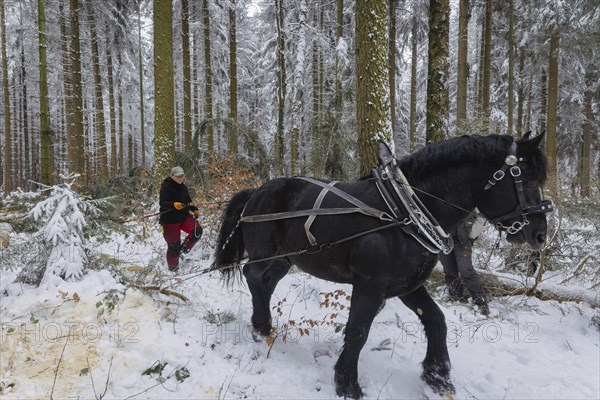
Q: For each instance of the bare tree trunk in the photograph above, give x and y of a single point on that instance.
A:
(100, 129)
(46, 134)
(437, 71)
(208, 74)
(392, 64)
(412, 135)
(333, 158)
(187, 97)
(111, 106)
(26, 168)
(233, 79)
(69, 129)
(551, 144)
(8, 167)
(487, 64)
(372, 91)
(479, 93)
(529, 102)
(521, 94)
(141, 76)
(586, 146)
(543, 101)
(298, 89)
(464, 13)
(164, 115)
(511, 65)
(76, 141)
(281, 90)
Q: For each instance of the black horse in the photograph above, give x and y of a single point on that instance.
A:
(458, 174)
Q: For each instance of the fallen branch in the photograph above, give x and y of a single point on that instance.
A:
(496, 287)
(162, 290)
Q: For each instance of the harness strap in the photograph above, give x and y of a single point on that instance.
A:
(311, 218)
(362, 207)
(299, 213)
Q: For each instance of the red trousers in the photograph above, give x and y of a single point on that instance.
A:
(172, 234)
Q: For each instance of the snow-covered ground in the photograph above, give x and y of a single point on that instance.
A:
(94, 338)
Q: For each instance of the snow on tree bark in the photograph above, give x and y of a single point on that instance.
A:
(372, 92)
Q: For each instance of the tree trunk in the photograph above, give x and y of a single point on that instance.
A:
(298, 89)
(551, 145)
(511, 65)
(233, 79)
(26, 161)
(76, 140)
(479, 93)
(164, 114)
(69, 106)
(412, 135)
(333, 158)
(187, 92)
(392, 64)
(586, 146)
(521, 94)
(529, 102)
(437, 71)
(141, 76)
(281, 91)
(8, 167)
(372, 92)
(464, 14)
(208, 75)
(316, 134)
(46, 134)
(111, 106)
(543, 101)
(100, 128)
(120, 132)
(487, 65)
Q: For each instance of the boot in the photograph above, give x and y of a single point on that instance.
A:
(456, 290)
(481, 302)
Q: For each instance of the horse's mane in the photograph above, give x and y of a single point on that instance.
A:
(481, 150)
(455, 151)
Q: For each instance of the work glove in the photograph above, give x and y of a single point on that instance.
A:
(178, 205)
(196, 213)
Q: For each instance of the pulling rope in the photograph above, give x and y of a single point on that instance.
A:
(310, 249)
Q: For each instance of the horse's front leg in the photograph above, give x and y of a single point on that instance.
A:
(363, 308)
(436, 366)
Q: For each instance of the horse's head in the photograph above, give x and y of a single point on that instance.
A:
(512, 198)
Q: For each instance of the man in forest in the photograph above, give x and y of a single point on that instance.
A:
(458, 267)
(178, 214)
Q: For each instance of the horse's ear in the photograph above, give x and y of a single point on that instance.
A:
(527, 143)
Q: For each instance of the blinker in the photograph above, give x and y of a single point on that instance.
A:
(510, 160)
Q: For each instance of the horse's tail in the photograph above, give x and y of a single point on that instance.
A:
(230, 245)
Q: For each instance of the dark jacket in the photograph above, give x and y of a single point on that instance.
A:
(171, 192)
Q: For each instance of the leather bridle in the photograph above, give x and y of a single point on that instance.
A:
(511, 163)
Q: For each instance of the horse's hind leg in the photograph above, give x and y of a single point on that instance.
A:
(363, 308)
(436, 365)
(262, 277)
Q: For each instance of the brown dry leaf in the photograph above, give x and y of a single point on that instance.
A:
(135, 268)
(76, 296)
(62, 295)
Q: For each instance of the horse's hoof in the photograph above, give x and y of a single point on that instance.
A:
(349, 391)
(257, 336)
(440, 384)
